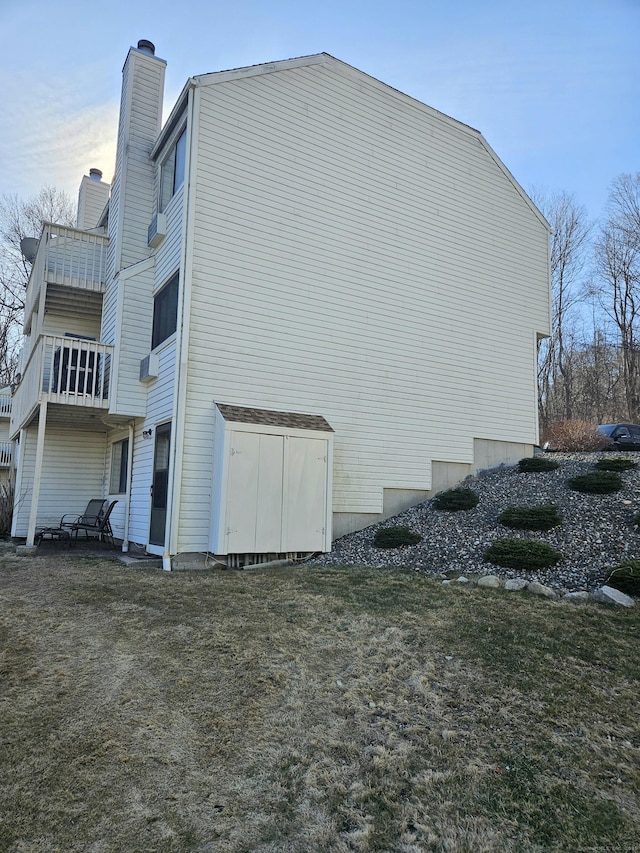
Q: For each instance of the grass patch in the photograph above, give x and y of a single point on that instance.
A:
(539, 517)
(309, 709)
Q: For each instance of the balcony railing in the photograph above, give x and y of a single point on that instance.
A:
(71, 371)
(6, 454)
(5, 406)
(69, 257)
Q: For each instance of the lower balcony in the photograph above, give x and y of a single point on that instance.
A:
(64, 371)
(6, 454)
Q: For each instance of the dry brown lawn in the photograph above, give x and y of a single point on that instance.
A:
(301, 709)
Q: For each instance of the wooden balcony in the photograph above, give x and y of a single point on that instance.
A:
(64, 371)
(68, 261)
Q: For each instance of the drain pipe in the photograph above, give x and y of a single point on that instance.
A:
(125, 541)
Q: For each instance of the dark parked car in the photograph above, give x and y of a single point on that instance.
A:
(622, 436)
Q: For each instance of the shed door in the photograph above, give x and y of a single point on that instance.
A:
(254, 507)
(276, 494)
(306, 494)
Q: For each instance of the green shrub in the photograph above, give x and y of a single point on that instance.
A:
(522, 554)
(596, 483)
(615, 463)
(626, 577)
(456, 499)
(540, 517)
(537, 463)
(395, 537)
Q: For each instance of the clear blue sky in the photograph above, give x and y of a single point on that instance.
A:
(552, 84)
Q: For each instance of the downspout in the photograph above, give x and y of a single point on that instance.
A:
(178, 413)
(125, 541)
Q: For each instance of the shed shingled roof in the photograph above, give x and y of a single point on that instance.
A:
(265, 417)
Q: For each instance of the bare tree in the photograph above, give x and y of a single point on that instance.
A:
(569, 240)
(617, 266)
(624, 205)
(19, 219)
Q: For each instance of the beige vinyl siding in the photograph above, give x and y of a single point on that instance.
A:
(159, 410)
(359, 256)
(76, 326)
(132, 200)
(140, 482)
(73, 472)
(168, 255)
(118, 514)
(109, 314)
(133, 342)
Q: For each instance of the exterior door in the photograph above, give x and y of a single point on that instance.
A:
(160, 483)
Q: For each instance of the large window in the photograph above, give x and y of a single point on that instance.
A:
(119, 467)
(165, 312)
(172, 170)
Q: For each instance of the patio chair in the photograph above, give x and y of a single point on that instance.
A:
(95, 525)
(95, 509)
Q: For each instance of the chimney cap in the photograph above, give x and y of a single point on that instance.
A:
(147, 46)
(95, 174)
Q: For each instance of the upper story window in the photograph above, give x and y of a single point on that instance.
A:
(172, 170)
(165, 312)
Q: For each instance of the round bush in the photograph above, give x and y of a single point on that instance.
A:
(596, 483)
(537, 463)
(522, 554)
(540, 517)
(456, 499)
(626, 577)
(395, 537)
(615, 463)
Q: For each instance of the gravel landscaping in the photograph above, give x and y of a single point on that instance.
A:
(597, 531)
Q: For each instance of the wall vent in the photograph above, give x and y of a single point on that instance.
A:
(157, 230)
(149, 367)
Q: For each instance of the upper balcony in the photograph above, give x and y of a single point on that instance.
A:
(68, 264)
(65, 371)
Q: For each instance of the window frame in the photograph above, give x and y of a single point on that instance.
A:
(165, 311)
(119, 467)
(173, 169)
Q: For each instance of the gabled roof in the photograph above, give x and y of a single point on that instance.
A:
(216, 77)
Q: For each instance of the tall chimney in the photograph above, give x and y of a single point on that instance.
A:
(132, 193)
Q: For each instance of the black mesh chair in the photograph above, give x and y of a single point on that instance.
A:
(97, 526)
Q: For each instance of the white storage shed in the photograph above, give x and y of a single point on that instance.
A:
(271, 482)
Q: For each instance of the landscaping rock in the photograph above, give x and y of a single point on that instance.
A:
(540, 589)
(515, 584)
(609, 595)
(581, 595)
(596, 532)
(26, 550)
(491, 581)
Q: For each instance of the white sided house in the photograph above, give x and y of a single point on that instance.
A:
(305, 303)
